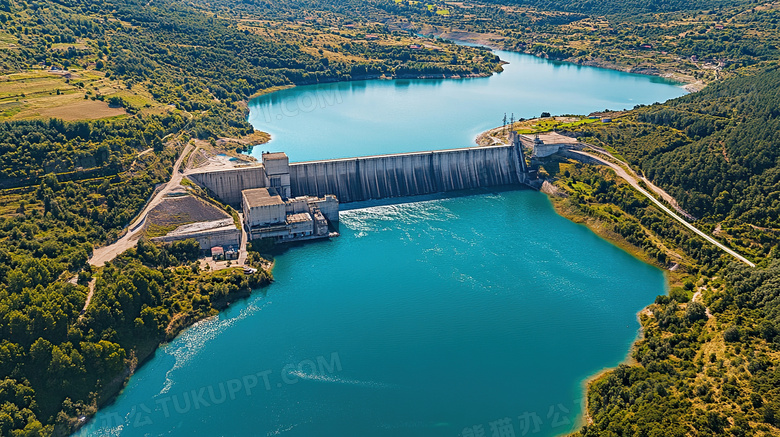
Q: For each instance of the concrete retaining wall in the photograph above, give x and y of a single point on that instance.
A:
(228, 184)
(207, 239)
(408, 174)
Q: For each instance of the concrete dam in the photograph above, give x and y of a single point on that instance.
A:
(407, 174)
(374, 177)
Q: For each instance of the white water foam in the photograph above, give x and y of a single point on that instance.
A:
(335, 380)
(192, 340)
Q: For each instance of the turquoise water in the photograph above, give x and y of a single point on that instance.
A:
(422, 319)
(439, 317)
(392, 116)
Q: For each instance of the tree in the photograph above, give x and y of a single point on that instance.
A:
(695, 311)
(731, 334)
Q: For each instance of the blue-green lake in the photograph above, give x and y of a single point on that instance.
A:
(458, 316)
(374, 117)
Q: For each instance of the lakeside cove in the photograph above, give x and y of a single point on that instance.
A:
(489, 265)
(496, 42)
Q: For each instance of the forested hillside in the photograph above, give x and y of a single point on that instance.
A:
(731, 168)
(57, 361)
(188, 55)
(690, 41)
(717, 153)
(700, 376)
(629, 7)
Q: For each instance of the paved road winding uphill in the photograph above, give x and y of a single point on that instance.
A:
(634, 183)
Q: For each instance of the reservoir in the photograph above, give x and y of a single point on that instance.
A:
(457, 316)
(339, 120)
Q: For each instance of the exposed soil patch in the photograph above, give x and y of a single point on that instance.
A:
(173, 212)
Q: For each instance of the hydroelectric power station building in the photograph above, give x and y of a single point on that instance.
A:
(270, 213)
(267, 215)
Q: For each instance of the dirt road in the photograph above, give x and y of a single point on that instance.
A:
(104, 254)
(74, 280)
(242, 249)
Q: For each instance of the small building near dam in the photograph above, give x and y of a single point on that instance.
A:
(546, 144)
(277, 168)
(215, 233)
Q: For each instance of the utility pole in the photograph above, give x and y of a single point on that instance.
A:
(504, 123)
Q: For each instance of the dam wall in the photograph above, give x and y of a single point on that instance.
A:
(408, 174)
(228, 184)
(373, 177)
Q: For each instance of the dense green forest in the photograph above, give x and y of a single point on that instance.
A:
(706, 365)
(186, 55)
(55, 363)
(700, 378)
(690, 40)
(730, 169)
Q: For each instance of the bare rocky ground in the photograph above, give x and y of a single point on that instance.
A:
(175, 211)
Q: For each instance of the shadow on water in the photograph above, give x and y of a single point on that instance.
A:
(270, 250)
(355, 85)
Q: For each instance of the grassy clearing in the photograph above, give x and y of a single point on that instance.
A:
(547, 124)
(257, 137)
(155, 230)
(61, 94)
(271, 90)
(7, 40)
(82, 110)
(614, 152)
(10, 204)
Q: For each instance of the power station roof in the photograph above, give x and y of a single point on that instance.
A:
(301, 217)
(258, 197)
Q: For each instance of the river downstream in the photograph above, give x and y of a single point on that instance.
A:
(449, 316)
